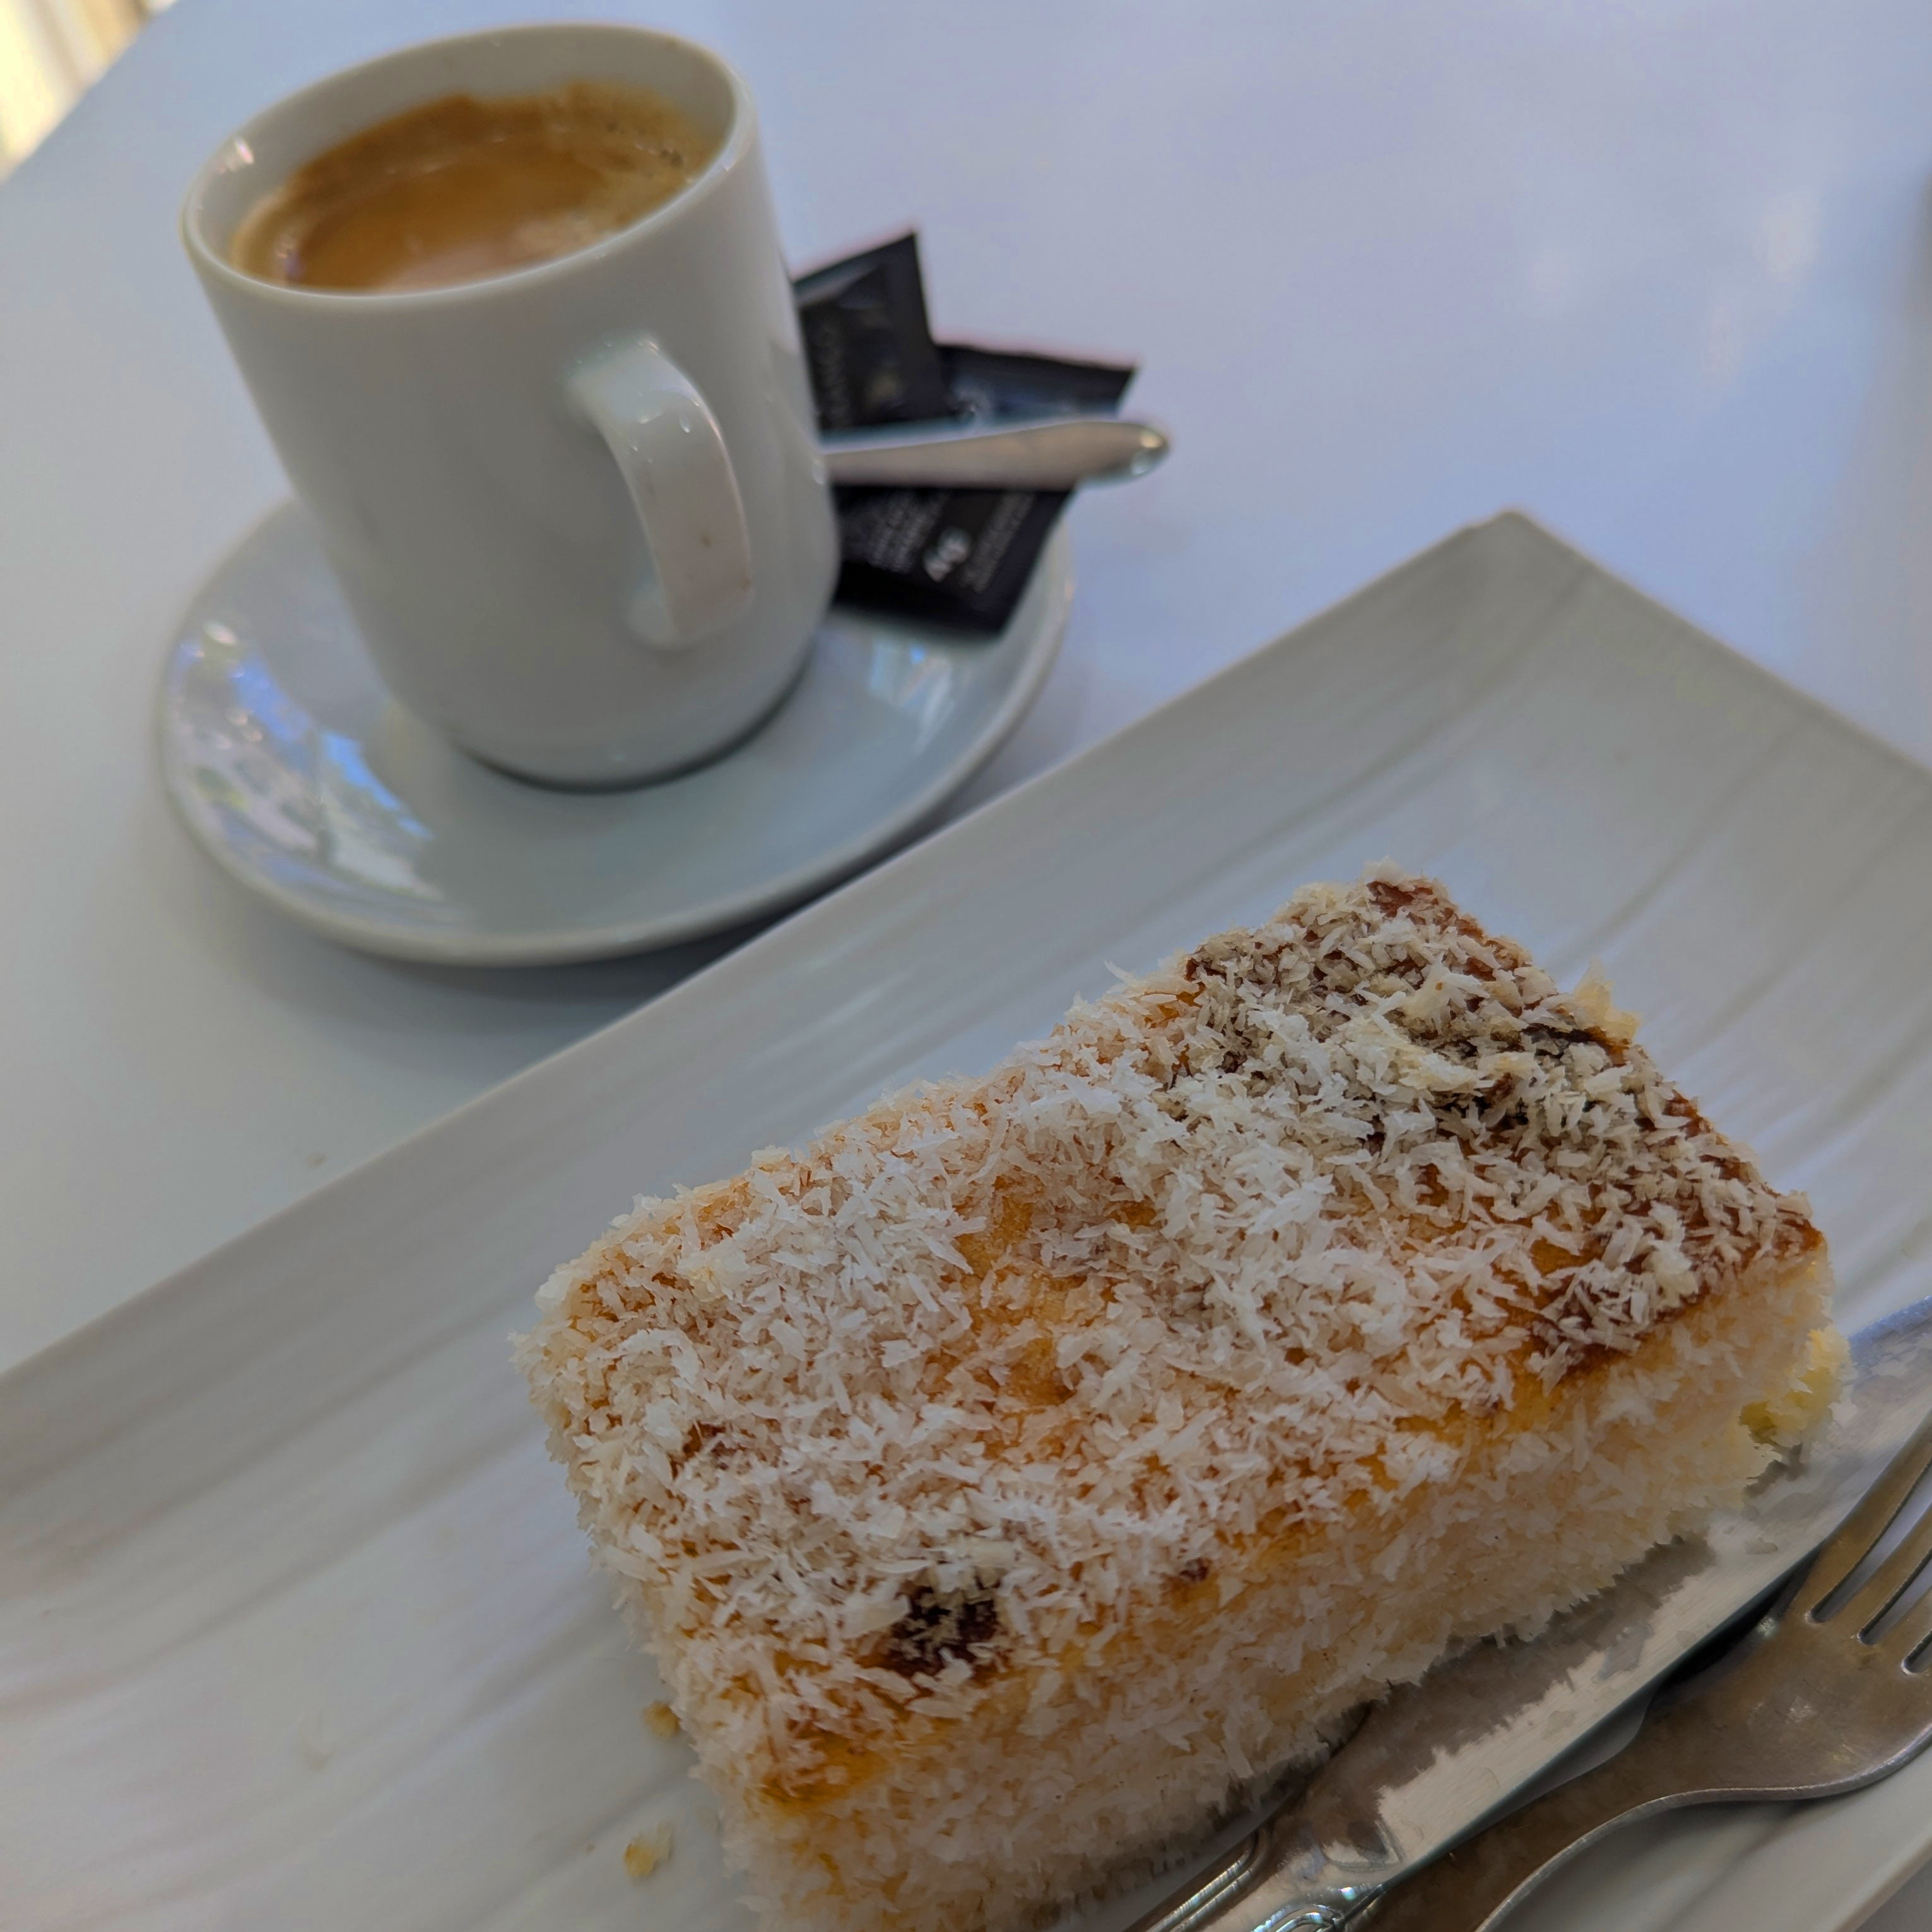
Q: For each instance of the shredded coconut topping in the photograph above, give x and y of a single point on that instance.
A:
(1231, 1252)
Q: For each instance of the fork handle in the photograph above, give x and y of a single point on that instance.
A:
(1468, 1889)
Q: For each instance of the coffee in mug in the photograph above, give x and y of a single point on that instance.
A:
(460, 188)
(560, 453)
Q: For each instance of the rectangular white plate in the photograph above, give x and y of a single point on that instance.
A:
(296, 1628)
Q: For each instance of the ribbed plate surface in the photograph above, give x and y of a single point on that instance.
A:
(296, 1630)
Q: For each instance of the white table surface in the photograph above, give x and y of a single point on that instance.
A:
(1659, 272)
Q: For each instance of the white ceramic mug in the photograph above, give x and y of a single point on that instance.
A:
(578, 509)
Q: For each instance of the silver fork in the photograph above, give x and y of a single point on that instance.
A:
(1821, 1697)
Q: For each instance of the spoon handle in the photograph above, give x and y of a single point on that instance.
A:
(1056, 454)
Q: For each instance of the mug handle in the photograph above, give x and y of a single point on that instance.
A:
(673, 461)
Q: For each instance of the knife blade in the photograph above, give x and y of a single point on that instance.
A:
(1434, 1758)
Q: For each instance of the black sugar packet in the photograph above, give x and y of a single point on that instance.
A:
(961, 558)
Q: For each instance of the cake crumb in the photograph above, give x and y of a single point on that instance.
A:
(647, 1851)
(314, 1739)
(661, 1721)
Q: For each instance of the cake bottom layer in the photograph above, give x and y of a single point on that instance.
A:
(1082, 1771)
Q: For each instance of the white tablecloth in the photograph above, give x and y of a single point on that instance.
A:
(1660, 273)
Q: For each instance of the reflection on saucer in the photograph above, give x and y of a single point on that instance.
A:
(291, 765)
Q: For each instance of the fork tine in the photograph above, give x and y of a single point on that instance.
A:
(1912, 1632)
(1866, 1524)
(1891, 1577)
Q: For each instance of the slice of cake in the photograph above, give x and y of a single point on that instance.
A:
(1017, 1474)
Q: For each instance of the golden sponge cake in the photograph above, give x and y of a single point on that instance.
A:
(1013, 1477)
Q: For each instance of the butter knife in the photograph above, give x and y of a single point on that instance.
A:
(1431, 1761)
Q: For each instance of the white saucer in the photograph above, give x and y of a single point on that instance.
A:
(293, 769)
